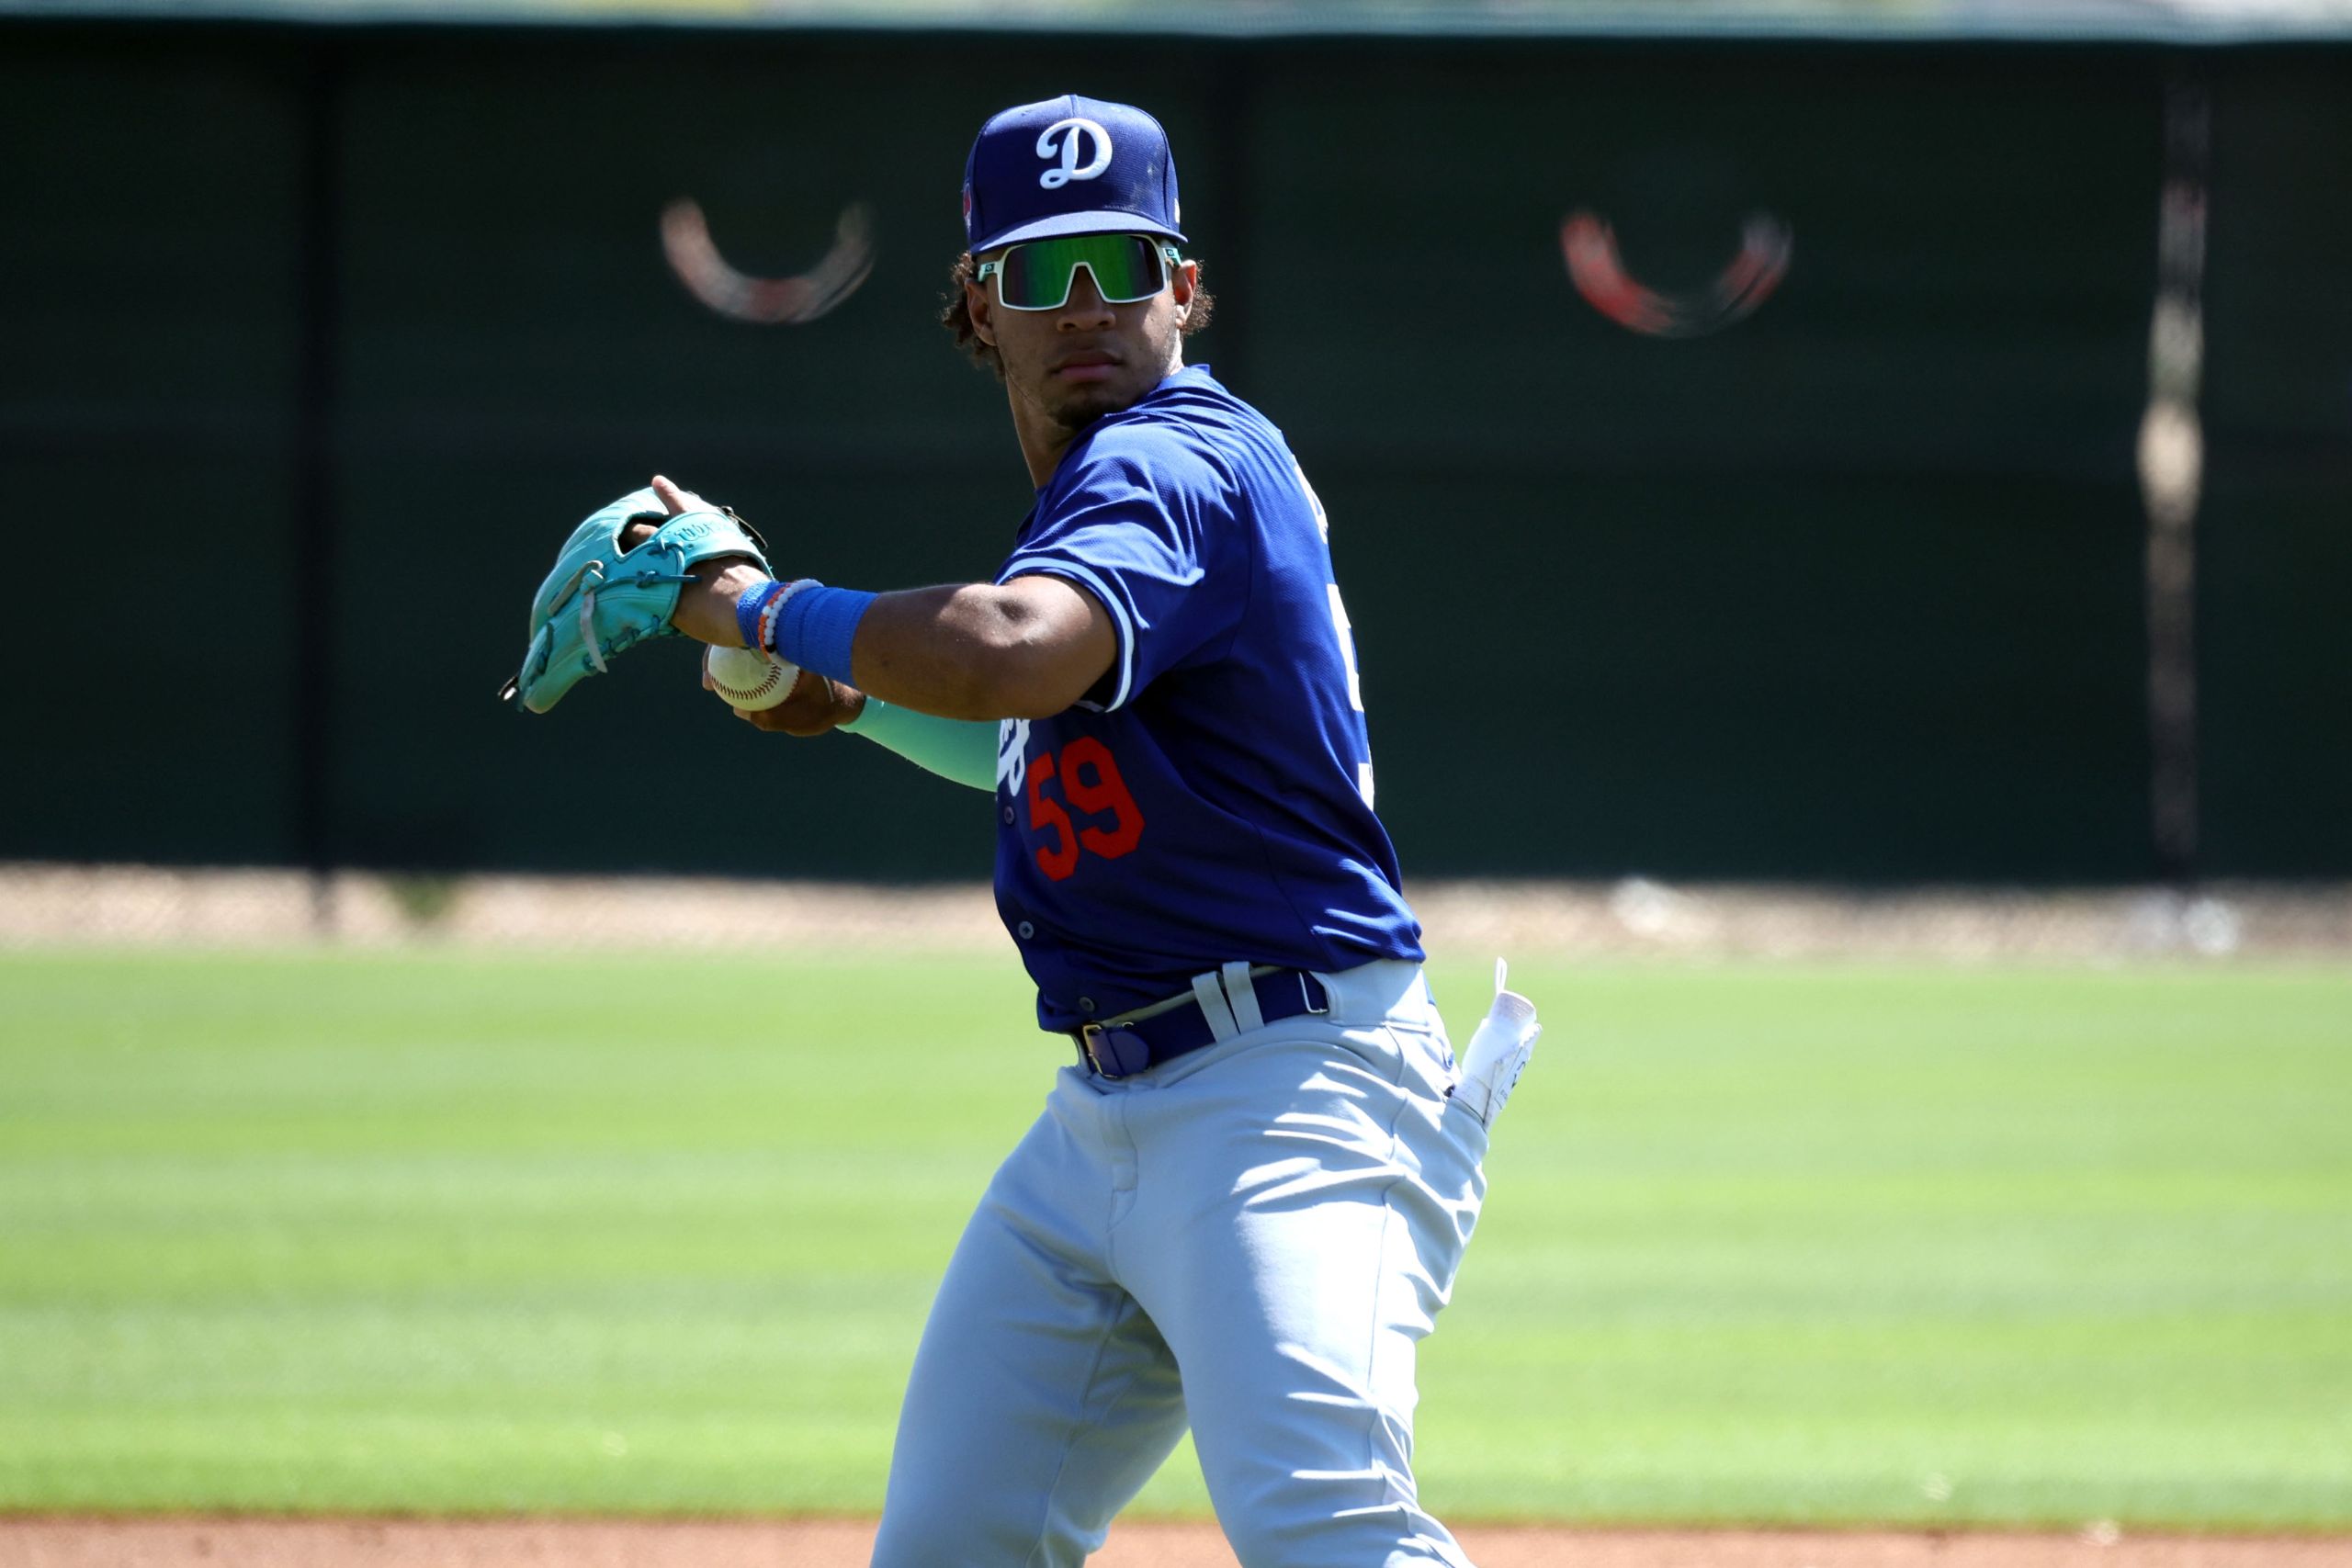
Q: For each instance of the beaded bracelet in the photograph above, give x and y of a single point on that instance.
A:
(772, 610)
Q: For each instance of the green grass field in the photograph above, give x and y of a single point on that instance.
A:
(444, 1232)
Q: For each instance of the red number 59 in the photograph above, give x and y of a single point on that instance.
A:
(1090, 782)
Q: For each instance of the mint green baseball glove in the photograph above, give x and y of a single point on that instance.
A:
(601, 599)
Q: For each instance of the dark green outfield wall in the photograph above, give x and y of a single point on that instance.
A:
(1852, 590)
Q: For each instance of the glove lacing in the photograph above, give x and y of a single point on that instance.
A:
(644, 579)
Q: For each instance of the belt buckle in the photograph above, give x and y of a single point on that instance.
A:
(1307, 997)
(1088, 1034)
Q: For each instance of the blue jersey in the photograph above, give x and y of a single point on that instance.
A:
(1211, 798)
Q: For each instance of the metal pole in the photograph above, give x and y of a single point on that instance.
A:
(318, 302)
(2172, 472)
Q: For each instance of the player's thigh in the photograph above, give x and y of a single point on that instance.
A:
(1297, 1298)
(1301, 1382)
(1042, 1397)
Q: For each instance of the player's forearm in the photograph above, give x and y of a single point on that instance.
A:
(972, 651)
(1027, 649)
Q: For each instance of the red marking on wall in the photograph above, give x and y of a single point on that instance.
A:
(1589, 247)
(766, 302)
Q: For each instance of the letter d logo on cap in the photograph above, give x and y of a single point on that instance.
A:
(1067, 166)
(1055, 178)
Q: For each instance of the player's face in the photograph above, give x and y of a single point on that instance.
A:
(1086, 358)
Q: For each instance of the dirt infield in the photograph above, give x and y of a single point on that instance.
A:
(823, 1543)
(44, 906)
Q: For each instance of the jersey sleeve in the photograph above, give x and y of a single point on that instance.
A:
(1150, 529)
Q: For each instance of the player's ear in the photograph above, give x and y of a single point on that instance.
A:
(1183, 279)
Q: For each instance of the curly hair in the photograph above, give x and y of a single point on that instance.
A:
(955, 315)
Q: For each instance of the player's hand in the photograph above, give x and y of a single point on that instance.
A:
(706, 609)
(813, 705)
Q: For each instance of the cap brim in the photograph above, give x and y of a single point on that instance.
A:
(1103, 222)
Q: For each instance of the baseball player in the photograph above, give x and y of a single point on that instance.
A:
(1251, 1184)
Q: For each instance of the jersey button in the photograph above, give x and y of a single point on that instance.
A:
(1026, 930)
(1008, 816)
(1086, 1006)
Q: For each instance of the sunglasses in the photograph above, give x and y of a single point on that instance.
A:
(1036, 274)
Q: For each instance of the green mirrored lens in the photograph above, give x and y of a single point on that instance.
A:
(1035, 275)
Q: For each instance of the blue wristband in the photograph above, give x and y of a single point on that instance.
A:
(818, 626)
(747, 610)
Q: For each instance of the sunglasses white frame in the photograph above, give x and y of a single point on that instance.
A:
(1167, 254)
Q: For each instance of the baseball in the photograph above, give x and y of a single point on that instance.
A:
(748, 679)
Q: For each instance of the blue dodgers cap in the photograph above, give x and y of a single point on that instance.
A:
(1068, 166)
